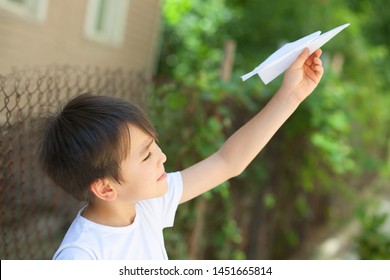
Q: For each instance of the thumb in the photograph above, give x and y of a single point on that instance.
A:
(301, 58)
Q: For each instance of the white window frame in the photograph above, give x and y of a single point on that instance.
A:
(112, 21)
(35, 10)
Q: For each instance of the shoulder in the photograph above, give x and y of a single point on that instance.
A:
(73, 253)
(77, 241)
(175, 182)
(174, 192)
(174, 177)
(163, 208)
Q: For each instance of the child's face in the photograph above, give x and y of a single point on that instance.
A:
(142, 171)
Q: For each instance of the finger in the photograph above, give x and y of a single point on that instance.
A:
(319, 70)
(314, 68)
(317, 61)
(301, 58)
(314, 58)
(315, 73)
(317, 53)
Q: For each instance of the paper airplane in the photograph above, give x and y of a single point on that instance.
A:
(280, 60)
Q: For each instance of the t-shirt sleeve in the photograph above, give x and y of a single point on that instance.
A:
(172, 198)
(163, 209)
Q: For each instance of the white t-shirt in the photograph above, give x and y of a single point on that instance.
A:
(141, 240)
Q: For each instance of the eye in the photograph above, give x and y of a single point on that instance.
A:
(147, 157)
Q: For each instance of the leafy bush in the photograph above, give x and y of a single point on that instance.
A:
(326, 152)
(373, 242)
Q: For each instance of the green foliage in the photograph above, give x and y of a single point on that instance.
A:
(192, 37)
(373, 243)
(337, 138)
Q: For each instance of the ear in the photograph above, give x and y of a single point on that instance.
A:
(103, 189)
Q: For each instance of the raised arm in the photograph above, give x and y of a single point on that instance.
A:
(242, 147)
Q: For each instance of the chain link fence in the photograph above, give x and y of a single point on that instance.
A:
(34, 214)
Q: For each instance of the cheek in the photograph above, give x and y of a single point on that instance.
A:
(142, 175)
(137, 175)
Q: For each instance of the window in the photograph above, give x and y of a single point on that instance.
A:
(29, 9)
(106, 21)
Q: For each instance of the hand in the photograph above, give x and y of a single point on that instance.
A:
(303, 76)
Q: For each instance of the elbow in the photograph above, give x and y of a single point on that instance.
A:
(236, 171)
(231, 168)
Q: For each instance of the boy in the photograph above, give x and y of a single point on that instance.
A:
(103, 150)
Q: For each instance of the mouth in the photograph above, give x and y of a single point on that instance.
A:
(162, 177)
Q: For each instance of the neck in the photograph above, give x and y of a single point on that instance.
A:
(110, 213)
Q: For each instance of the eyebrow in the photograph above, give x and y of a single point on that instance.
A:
(146, 147)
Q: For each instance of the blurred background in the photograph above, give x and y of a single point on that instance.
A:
(319, 190)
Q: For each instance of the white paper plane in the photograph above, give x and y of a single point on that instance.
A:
(280, 60)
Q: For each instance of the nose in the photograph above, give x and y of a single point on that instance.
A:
(163, 157)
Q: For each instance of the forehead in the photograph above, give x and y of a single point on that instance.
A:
(139, 139)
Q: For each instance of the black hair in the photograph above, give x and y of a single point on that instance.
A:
(87, 140)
